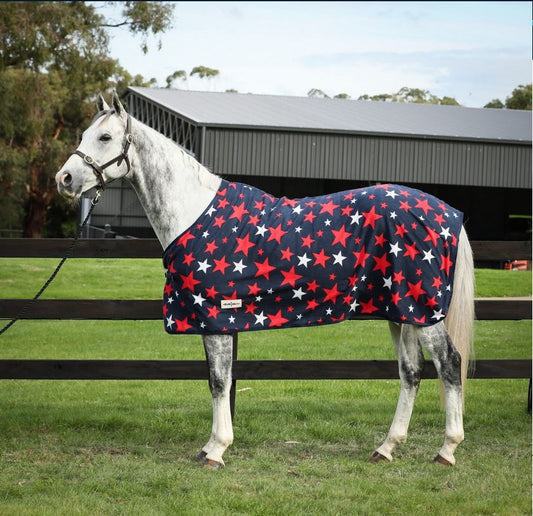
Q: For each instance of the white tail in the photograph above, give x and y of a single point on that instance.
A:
(460, 319)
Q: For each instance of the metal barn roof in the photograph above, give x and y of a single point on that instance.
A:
(213, 109)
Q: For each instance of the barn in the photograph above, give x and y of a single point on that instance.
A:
(478, 160)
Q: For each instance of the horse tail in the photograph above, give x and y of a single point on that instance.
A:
(460, 319)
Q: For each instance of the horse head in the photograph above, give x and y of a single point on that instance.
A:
(105, 143)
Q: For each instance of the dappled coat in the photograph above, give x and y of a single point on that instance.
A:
(252, 261)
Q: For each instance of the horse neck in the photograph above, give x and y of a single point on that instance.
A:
(174, 189)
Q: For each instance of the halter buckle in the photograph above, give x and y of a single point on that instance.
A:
(88, 159)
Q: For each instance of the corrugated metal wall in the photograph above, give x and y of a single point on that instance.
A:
(369, 158)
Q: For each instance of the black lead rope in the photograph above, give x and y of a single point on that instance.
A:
(68, 254)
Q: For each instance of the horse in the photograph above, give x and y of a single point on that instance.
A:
(176, 192)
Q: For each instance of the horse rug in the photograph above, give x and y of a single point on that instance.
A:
(252, 261)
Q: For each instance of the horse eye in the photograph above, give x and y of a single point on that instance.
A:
(105, 137)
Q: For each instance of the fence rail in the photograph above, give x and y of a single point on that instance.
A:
(487, 309)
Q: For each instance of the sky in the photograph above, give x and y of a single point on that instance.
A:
(472, 51)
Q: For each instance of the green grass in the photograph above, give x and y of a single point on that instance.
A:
(301, 447)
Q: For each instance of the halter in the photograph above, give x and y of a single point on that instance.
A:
(99, 169)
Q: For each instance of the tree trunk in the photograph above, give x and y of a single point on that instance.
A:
(35, 217)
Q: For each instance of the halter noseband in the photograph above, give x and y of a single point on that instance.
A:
(99, 169)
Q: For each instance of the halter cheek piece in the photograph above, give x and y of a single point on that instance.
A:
(99, 169)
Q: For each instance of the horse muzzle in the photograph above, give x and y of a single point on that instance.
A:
(67, 186)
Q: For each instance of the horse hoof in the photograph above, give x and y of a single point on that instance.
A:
(377, 458)
(212, 464)
(441, 460)
(200, 457)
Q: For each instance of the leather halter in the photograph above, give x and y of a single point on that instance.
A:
(99, 169)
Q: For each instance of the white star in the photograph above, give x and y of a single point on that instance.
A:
(211, 210)
(393, 215)
(339, 258)
(354, 305)
(391, 193)
(298, 229)
(203, 266)
(411, 308)
(259, 299)
(356, 218)
(261, 230)
(437, 314)
(304, 260)
(239, 267)
(297, 210)
(299, 316)
(198, 299)
(329, 311)
(387, 282)
(395, 249)
(363, 278)
(428, 256)
(170, 321)
(445, 233)
(231, 319)
(327, 222)
(298, 293)
(260, 319)
(270, 291)
(234, 229)
(205, 234)
(170, 300)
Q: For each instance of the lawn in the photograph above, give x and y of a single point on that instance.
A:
(301, 447)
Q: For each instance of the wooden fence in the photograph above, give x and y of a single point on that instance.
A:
(486, 309)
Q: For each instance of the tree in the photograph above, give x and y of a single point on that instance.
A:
(204, 72)
(178, 74)
(520, 98)
(54, 57)
(413, 96)
(316, 92)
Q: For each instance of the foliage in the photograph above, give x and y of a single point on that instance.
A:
(520, 98)
(204, 72)
(411, 95)
(54, 57)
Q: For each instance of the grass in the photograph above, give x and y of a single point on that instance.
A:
(301, 447)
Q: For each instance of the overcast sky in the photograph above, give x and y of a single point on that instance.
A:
(472, 51)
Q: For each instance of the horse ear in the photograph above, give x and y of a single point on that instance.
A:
(101, 104)
(117, 105)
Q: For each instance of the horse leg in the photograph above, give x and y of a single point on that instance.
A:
(219, 351)
(410, 365)
(448, 365)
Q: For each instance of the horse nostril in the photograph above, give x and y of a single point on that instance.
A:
(66, 179)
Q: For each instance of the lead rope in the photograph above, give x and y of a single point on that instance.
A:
(68, 254)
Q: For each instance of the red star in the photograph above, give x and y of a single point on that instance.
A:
(222, 203)
(420, 320)
(276, 320)
(211, 292)
(276, 234)
(307, 241)
(371, 217)
(437, 282)
(321, 258)
(411, 251)
(361, 257)
(183, 239)
(253, 289)
(264, 269)
(432, 235)
(400, 230)
(168, 289)
(213, 311)
(182, 325)
(251, 308)
(219, 222)
(309, 217)
(238, 212)
(395, 298)
(289, 202)
(431, 302)
(254, 220)
(380, 240)
(445, 264)
(259, 205)
(286, 254)
(423, 205)
(332, 294)
(311, 305)
(210, 247)
(312, 286)
(439, 219)
(381, 263)
(221, 265)
(188, 259)
(328, 207)
(244, 245)
(398, 277)
(189, 282)
(340, 236)
(404, 205)
(346, 211)
(415, 290)
(290, 277)
(368, 307)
